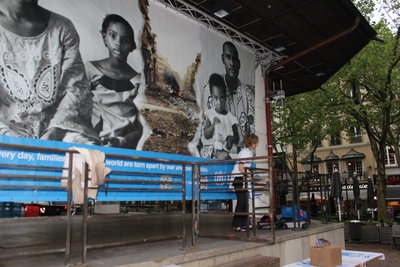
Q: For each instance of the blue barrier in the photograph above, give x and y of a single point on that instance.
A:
(38, 164)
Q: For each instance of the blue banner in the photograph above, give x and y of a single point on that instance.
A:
(157, 178)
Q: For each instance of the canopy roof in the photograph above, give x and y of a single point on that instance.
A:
(332, 157)
(284, 28)
(352, 154)
(307, 160)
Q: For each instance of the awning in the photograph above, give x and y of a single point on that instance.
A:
(332, 157)
(352, 154)
(288, 27)
(393, 192)
(307, 160)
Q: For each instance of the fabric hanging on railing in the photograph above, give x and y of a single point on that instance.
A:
(97, 172)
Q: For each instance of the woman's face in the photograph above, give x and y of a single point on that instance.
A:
(253, 146)
(119, 40)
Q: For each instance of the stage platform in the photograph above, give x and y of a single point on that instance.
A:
(24, 235)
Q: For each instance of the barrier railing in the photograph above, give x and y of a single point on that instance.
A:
(18, 178)
(34, 180)
(255, 180)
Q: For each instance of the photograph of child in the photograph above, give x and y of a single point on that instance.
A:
(115, 84)
(220, 133)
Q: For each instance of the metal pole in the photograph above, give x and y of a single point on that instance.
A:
(85, 214)
(193, 205)
(246, 186)
(69, 200)
(184, 205)
(198, 199)
(253, 205)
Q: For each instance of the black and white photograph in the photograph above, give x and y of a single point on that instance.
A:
(118, 74)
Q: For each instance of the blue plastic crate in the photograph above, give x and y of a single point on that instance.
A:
(5, 209)
(16, 213)
(6, 204)
(16, 208)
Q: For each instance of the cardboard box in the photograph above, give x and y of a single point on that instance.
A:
(328, 256)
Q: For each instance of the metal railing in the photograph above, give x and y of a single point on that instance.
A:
(255, 180)
(131, 183)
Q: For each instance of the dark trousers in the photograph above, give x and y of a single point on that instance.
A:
(241, 206)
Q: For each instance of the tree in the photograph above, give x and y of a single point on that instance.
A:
(365, 93)
(302, 121)
(366, 89)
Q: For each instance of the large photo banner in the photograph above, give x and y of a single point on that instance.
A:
(128, 74)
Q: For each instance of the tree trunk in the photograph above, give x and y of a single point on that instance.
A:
(294, 158)
(379, 151)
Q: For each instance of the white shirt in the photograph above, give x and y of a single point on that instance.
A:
(244, 153)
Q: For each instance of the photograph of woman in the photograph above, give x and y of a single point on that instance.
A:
(115, 84)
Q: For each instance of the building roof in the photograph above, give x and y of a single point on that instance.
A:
(332, 157)
(307, 160)
(352, 154)
(393, 192)
(285, 28)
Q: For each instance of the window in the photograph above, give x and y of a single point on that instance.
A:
(390, 159)
(315, 168)
(330, 166)
(354, 166)
(355, 134)
(335, 140)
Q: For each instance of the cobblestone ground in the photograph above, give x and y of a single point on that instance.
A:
(392, 255)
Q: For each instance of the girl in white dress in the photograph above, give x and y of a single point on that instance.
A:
(115, 84)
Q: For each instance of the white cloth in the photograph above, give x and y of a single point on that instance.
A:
(97, 173)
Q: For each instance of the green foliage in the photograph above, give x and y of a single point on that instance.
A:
(364, 93)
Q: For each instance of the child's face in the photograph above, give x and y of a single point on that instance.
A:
(119, 40)
(219, 99)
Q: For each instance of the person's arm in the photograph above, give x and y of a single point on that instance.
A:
(230, 140)
(209, 128)
(132, 139)
(74, 102)
(241, 168)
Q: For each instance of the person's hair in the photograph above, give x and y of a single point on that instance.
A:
(230, 44)
(250, 139)
(114, 18)
(217, 80)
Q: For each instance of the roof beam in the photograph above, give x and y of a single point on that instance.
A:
(189, 10)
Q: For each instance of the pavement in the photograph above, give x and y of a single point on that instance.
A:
(392, 255)
(18, 236)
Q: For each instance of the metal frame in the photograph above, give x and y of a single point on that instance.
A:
(192, 12)
(86, 217)
(264, 185)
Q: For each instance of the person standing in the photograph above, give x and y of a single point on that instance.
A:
(239, 222)
(43, 86)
